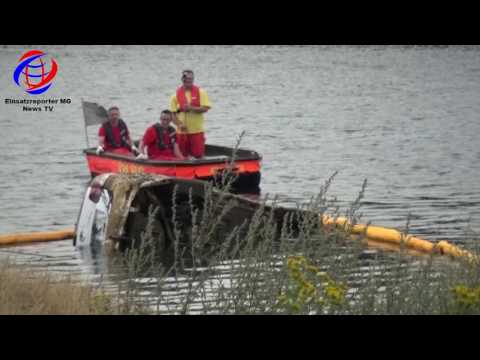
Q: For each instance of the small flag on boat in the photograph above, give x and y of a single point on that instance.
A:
(93, 113)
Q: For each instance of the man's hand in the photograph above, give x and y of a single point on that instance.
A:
(135, 150)
(183, 127)
(100, 150)
(198, 109)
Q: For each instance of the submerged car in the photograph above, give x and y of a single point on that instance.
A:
(117, 208)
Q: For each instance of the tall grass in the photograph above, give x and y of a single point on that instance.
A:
(47, 294)
(295, 266)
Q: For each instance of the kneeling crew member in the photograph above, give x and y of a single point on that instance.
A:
(113, 135)
(160, 141)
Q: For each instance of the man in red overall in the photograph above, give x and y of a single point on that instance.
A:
(113, 135)
(190, 102)
(160, 140)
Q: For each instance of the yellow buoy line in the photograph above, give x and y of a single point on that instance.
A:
(391, 238)
(397, 239)
(20, 238)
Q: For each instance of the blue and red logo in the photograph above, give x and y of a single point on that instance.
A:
(34, 73)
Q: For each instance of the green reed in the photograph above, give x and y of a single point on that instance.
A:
(294, 266)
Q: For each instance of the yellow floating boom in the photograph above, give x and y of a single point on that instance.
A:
(376, 234)
(396, 238)
(19, 238)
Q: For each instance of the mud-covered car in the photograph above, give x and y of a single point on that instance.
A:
(116, 209)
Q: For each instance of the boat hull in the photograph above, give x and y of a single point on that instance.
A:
(247, 168)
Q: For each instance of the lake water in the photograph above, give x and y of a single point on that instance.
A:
(404, 118)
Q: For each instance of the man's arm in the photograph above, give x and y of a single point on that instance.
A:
(141, 152)
(174, 107)
(101, 144)
(204, 104)
(180, 125)
(197, 109)
(177, 152)
(129, 140)
(144, 144)
(141, 148)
